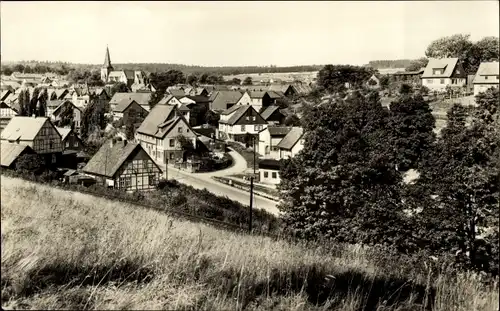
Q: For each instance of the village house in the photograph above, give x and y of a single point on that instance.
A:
(440, 73)
(6, 110)
(269, 138)
(64, 106)
(169, 100)
(373, 82)
(273, 115)
(178, 93)
(412, 77)
(128, 110)
(73, 148)
(292, 143)
(10, 153)
(159, 132)
(269, 171)
(259, 100)
(287, 89)
(102, 98)
(238, 121)
(302, 88)
(125, 166)
(37, 132)
(275, 96)
(486, 77)
(142, 98)
(222, 100)
(196, 91)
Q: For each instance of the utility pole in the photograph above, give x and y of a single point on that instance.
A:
(251, 187)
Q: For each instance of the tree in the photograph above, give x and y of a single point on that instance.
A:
(417, 64)
(19, 67)
(292, 120)
(33, 101)
(30, 163)
(192, 80)
(203, 78)
(405, 89)
(118, 87)
(93, 118)
(412, 130)
(212, 118)
(66, 116)
(189, 150)
(333, 78)
(487, 49)
(236, 81)
(24, 102)
(343, 185)
(247, 81)
(384, 81)
(42, 103)
(6, 70)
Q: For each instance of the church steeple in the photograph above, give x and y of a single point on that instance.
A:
(107, 59)
(106, 68)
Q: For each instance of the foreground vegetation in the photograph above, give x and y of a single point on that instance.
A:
(79, 252)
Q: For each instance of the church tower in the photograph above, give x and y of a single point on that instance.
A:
(106, 68)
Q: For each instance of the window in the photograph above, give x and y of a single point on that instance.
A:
(497, 77)
(266, 174)
(274, 175)
(485, 77)
(171, 156)
(429, 81)
(179, 129)
(442, 81)
(247, 118)
(128, 181)
(458, 72)
(50, 144)
(256, 127)
(172, 142)
(67, 144)
(76, 144)
(243, 128)
(254, 118)
(54, 159)
(151, 180)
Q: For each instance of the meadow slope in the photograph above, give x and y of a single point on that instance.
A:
(73, 251)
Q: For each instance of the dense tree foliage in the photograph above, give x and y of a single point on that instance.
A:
(471, 54)
(381, 64)
(333, 78)
(192, 80)
(66, 116)
(93, 118)
(292, 120)
(161, 81)
(31, 163)
(118, 87)
(343, 184)
(24, 102)
(247, 81)
(417, 64)
(212, 118)
(411, 125)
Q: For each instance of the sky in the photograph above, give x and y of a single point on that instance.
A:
(236, 33)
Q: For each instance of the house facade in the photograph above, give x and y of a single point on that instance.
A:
(292, 143)
(125, 166)
(222, 100)
(269, 171)
(273, 115)
(159, 132)
(440, 73)
(239, 121)
(56, 113)
(269, 139)
(129, 110)
(142, 98)
(486, 77)
(37, 132)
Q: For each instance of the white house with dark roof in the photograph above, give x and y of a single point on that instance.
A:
(442, 72)
(292, 143)
(129, 110)
(142, 98)
(486, 77)
(158, 134)
(238, 121)
(269, 138)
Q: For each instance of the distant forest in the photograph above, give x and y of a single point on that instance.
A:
(397, 63)
(44, 66)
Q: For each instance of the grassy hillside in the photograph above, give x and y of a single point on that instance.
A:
(73, 251)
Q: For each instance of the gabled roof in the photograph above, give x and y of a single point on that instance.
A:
(275, 95)
(10, 152)
(60, 93)
(487, 69)
(177, 93)
(238, 113)
(142, 98)
(129, 74)
(109, 159)
(231, 110)
(159, 121)
(166, 99)
(56, 102)
(291, 138)
(278, 130)
(269, 112)
(302, 88)
(448, 64)
(225, 97)
(271, 164)
(23, 128)
(257, 94)
(64, 132)
(184, 107)
(5, 94)
(64, 102)
(124, 104)
(279, 87)
(198, 98)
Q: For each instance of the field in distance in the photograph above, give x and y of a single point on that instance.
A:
(68, 250)
(284, 76)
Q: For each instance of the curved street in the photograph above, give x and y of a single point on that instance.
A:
(204, 180)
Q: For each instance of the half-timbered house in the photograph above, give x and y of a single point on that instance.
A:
(37, 132)
(124, 165)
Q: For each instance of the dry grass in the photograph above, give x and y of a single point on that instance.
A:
(63, 250)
